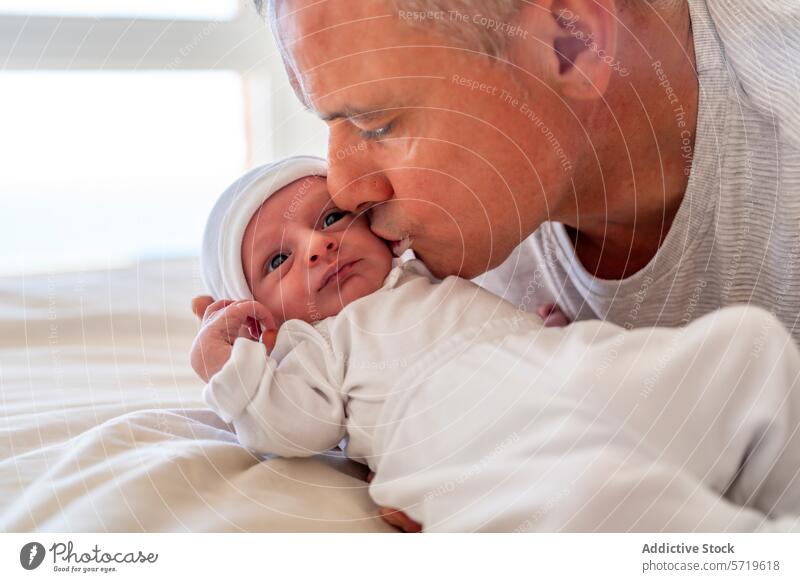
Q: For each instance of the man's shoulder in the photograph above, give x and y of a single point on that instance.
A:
(761, 44)
(763, 21)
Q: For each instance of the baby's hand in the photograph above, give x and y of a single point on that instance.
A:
(223, 322)
(552, 316)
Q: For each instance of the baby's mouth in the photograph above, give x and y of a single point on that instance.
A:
(337, 273)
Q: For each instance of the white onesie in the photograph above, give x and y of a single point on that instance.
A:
(476, 417)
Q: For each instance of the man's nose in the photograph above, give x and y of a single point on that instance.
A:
(355, 181)
(320, 246)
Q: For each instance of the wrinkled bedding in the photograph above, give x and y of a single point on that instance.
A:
(102, 427)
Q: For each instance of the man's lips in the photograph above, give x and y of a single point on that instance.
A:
(380, 233)
(394, 242)
(335, 273)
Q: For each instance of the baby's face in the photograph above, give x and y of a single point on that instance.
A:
(305, 259)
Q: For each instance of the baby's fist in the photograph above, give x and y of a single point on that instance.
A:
(224, 322)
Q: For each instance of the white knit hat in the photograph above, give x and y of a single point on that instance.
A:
(221, 258)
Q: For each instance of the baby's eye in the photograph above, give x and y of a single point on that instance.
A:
(333, 217)
(276, 261)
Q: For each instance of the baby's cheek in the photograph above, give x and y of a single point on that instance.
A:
(354, 288)
(279, 301)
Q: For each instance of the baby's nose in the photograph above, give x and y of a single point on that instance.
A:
(314, 256)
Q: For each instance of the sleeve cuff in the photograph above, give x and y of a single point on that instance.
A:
(230, 390)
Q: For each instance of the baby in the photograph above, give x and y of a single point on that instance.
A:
(473, 414)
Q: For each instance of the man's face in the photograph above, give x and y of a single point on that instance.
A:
(306, 259)
(435, 138)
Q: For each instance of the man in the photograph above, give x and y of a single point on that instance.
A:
(634, 161)
(631, 160)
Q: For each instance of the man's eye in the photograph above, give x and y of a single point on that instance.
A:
(376, 133)
(333, 217)
(276, 261)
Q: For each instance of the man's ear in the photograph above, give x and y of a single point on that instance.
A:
(572, 44)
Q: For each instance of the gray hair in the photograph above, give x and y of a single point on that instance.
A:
(475, 24)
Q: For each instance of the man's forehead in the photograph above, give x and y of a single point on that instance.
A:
(302, 18)
(336, 44)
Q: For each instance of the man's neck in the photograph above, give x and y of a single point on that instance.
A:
(632, 191)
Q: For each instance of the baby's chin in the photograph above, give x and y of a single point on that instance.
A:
(353, 289)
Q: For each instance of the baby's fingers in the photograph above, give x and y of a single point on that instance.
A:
(214, 307)
(254, 310)
(237, 316)
(269, 337)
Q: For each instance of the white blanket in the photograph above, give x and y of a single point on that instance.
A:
(594, 428)
(103, 429)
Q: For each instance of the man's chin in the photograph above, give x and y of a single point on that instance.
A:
(440, 267)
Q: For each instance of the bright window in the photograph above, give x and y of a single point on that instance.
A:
(166, 9)
(121, 121)
(102, 167)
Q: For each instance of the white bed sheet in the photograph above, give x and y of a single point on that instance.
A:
(102, 427)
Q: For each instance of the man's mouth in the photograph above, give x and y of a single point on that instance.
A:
(337, 273)
(398, 243)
